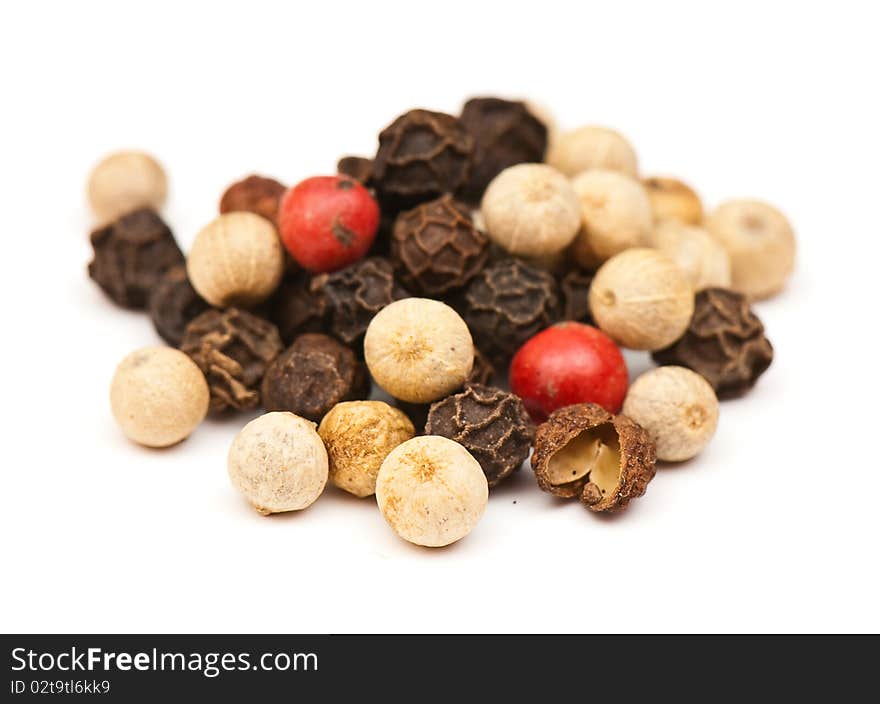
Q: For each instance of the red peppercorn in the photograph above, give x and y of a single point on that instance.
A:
(565, 364)
(328, 222)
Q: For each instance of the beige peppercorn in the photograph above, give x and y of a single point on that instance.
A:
(126, 181)
(358, 436)
(641, 299)
(418, 350)
(278, 463)
(672, 199)
(760, 242)
(699, 255)
(236, 260)
(531, 210)
(431, 491)
(158, 396)
(616, 215)
(592, 147)
(677, 407)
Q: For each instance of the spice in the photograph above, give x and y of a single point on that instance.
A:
(641, 299)
(158, 396)
(354, 295)
(431, 491)
(483, 370)
(616, 216)
(489, 423)
(575, 289)
(312, 375)
(672, 199)
(677, 407)
(356, 167)
(422, 155)
(760, 243)
(124, 182)
(592, 148)
(436, 247)
(585, 452)
(418, 350)
(508, 303)
(724, 343)
(358, 436)
(531, 210)
(131, 255)
(702, 259)
(254, 194)
(294, 308)
(505, 133)
(328, 222)
(278, 463)
(174, 303)
(236, 260)
(233, 348)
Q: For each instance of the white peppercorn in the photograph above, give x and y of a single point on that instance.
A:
(592, 147)
(699, 255)
(672, 199)
(126, 181)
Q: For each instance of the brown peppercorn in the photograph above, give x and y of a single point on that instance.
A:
(575, 289)
(131, 254)
(357, 167)
(312, 375)
(724, 343)
(583, 451)
(436, 247)
(295, 309)
(355, 294)
(505, 133)
(254, 194)
(173, 304)
(506, 304)
(490, 423)
(233, 348)
(483, 370)
(422, 154)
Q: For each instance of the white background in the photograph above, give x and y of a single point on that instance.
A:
(773, 528)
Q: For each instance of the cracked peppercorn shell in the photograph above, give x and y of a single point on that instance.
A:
(126, 181)
(584, 452)
(278, 463)
(421, 155)
(174, 303)
(592, 147)
(531, 210)
(158, 396)
(254, 194)
(357, 167)
(312, 375)
(761, 245)
(236, 260)
(677, 407)
(575, 289)
(233, 348)
(489, 423)
(672, 199)
(294, 308)
(358, 436)
(508, 303)
(436, 247)
(505, 133)
(615, 214)
(641, 299)
(431, 491)
(724, 343)
(701, 257)
(130, 256)
(355, 295)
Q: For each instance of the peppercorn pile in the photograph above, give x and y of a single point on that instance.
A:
(484, 270)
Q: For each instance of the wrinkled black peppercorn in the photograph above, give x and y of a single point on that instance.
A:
(575, 289)
(724, 343)
(295, 309)
(357, 167)
(174, 303)
(131, 254)
(233, 348)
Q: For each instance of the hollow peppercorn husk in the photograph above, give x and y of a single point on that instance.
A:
(637, 461)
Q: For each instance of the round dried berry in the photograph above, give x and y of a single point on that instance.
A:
(254, 194)
(174, 303)
(295, 309)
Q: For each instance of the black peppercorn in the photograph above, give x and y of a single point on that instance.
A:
(254, 194)
(724, 343)
(575, 289)
(422, 154)
(314, 374)
(506, 304)
(357, 167)
(131, 254)
(490, 423)
(505, 133)
(233, 348)
(436, 248)
(355, 294)
(173, 304)
(295, 309)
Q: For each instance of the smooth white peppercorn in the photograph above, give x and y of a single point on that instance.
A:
(592, 147)
(672, 199)
(126, 181)
(699, 255)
